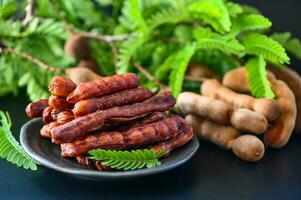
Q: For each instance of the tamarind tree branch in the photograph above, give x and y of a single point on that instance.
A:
(29, 16)
(150, 77)
(32, 59)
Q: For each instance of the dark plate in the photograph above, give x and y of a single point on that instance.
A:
(48, 154)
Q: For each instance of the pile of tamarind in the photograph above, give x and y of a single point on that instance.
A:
(226, 114)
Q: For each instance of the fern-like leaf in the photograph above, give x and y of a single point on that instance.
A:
(127, 160)
(293, 45)
(257, 78)
(250, 23)
(269, 49)
(180, 63)
(127, 50)
(212, 12)
(10, 149)
(209, 40)
(234, 9)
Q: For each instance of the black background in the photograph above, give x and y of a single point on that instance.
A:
(212, 174)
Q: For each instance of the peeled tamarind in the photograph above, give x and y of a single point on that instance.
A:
(267, 107)
(249, 121)
(280, 132)
(246, 147)
(293, 80)
(237, 79)
(191, 103)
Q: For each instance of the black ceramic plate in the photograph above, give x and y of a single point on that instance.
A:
(48, 154)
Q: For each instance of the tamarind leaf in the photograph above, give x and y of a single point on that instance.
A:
(234, 9)
(257, 78)
(180, 61)
(127, 160)
(269, 49)
(10, 149)
(212, 12)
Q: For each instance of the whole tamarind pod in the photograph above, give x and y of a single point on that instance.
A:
(103, 86)
(35, 109)
(199, 70)
(249, 121)
(46, 116)
(147, 134)
(293, 80)
(46, 130)
(125, 97)
(180, 140)
(89, 64)
(60, 103)
(54, 113)
(280, 132)
(237, 79)
(246, 147)
(94, 121)
(61, 87)
(64, 117)
(216, 110)
(77, 46)
(81, 75)
(269, 108)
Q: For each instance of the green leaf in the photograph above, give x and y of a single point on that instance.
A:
(257, 78)
(250, 23)
(180, 63)
(127, 160)
(293, 45)
(269, 49)
(206, 39)
(212, 12)
(234, 9)
(10, 148)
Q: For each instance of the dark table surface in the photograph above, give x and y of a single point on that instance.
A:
(212, 174)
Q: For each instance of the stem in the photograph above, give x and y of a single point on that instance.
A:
(29, 16)
(150, 77)
(193, 78)
(32, 59)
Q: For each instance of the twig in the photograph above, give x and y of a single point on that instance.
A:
(32, 59)
(29, 16)
(193, 78)
(150, 77)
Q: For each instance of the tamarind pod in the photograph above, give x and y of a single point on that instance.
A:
(46, 130)
(35, 109)
(293, 80)
(212, 132)
(199, 70)
(278, 135)
(249, 121)
(237, 79)
(81, 75)
(136, 137)
(54, 113)
(126, 97)
(60, 103)
(77, 46)
(181, 139)
(103, 86)
(269, 108)
(216, 110)
(64, 117)
(46, 115)
(61, 87)
(94, 121)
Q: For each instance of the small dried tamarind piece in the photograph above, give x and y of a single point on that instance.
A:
(249, 121)
(46, 116)
(64, 117)
(46, 130)
(216, 110)
(269, 108)
(150, 133)
(54, 113)
(61, 87)
(103, 86)
(35, 109)
(280, 132)
(126, 97)
(60, 103)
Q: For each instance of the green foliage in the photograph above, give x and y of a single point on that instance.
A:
(293, 45)
(127, 160)
(269, 49)
(257, 78)
(10, 149)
